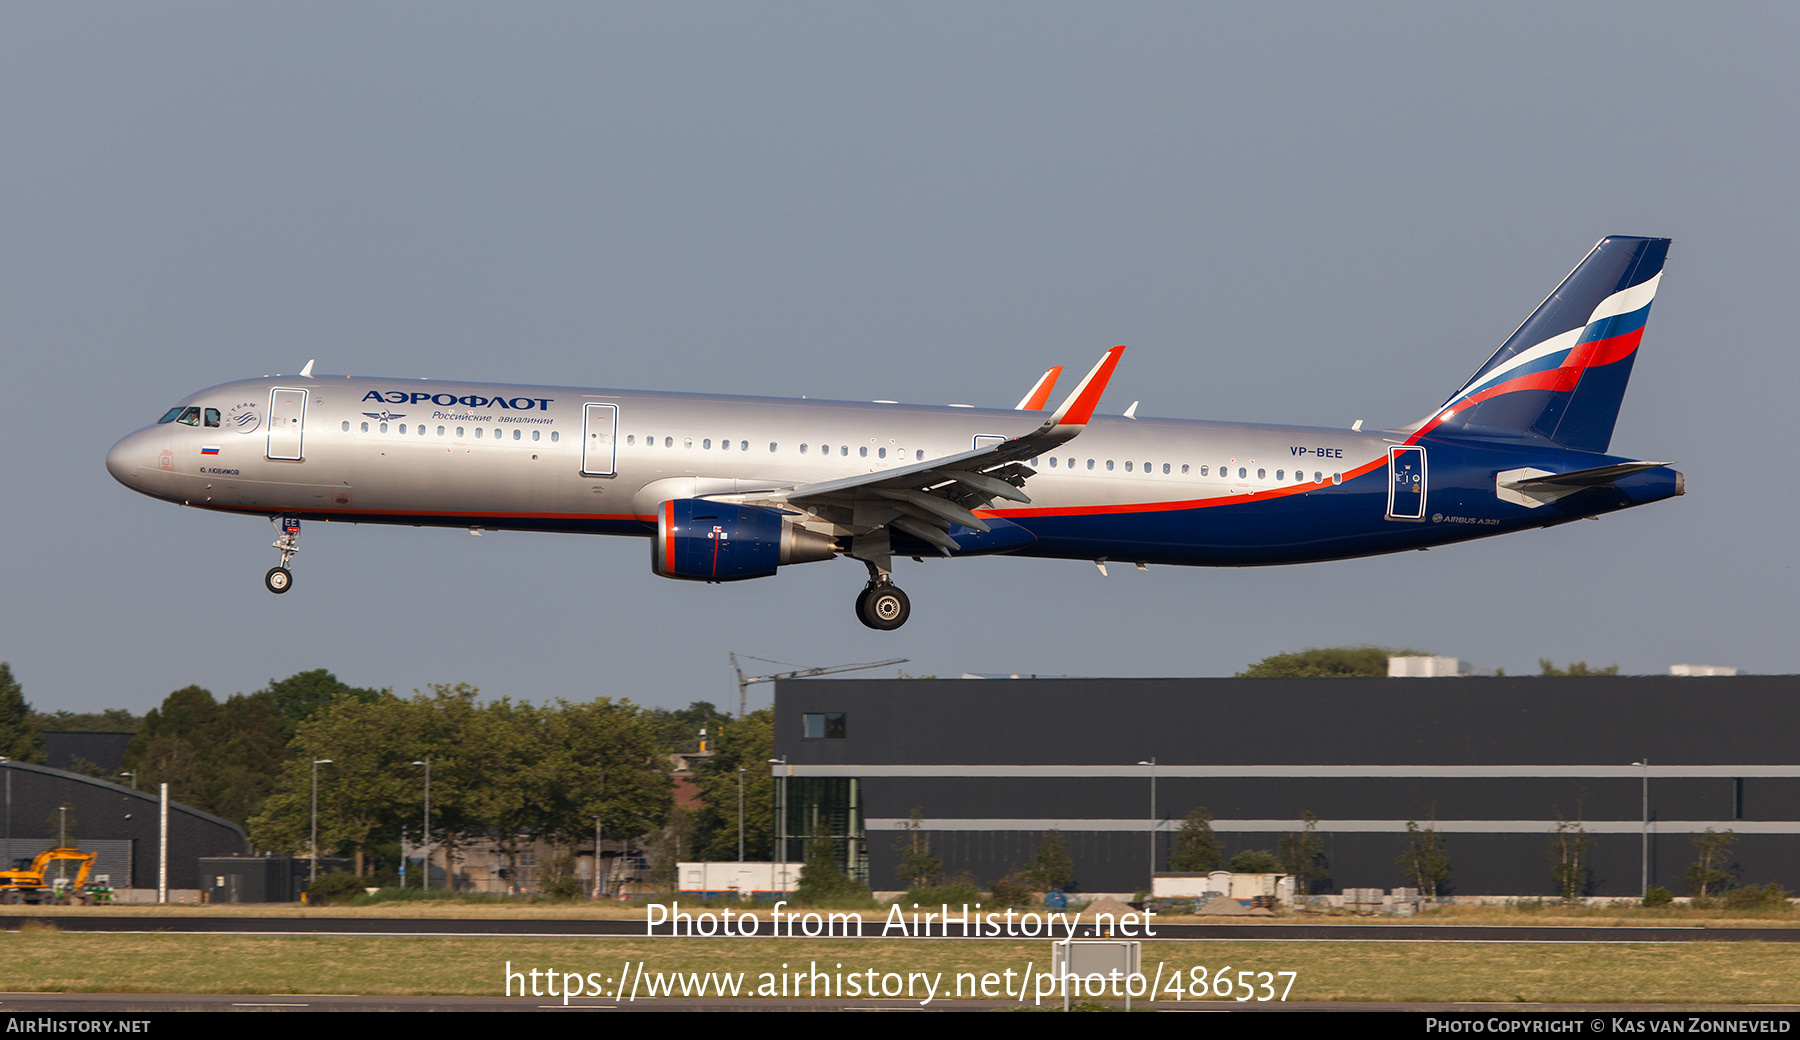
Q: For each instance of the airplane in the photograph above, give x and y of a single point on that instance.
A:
(733, 488)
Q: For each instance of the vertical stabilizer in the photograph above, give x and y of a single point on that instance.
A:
(1562, 375)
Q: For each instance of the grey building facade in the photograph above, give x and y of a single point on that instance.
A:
(44, 805)
(1492, 764)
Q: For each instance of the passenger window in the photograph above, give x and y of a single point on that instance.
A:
(384, 427)
(882, 453)
(844, 449)
(555, 436)
(516, 435)
(1337, 478)
(705, 444)
(212, 417)
(771, 447)
(440, 431)
(1262, 474)
(687, 442)
(1166, 468)
(346, 426)
(745, 446)
(535, 434)
(1318, 478)
(1052, 462)
(668, 442)
(1242, 473)
(802, 449)
(725, 445)
(1279, 474)
(402, 427)
(630, 439)
(863, 451)
(1127, 466)
(1109, 465)
(919, 456)
(1090, 464)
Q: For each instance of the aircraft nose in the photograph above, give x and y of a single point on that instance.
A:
(128, 458)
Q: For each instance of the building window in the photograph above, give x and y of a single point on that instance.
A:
(823, 725)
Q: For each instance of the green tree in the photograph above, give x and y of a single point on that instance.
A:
(604, 760)
(364, 790)
(1051, 868)
(1711, 873)
(1547, 668)
(679, 729)
(112, 720)
(748, 742)
(1196, 847)
(822, 879)
(1255, 861)
(1335, 662)
(224, 758)
(1568, 851)
(1302, 854)
(917, 867)
(303, 695)
(20, 738)
(1423, 858)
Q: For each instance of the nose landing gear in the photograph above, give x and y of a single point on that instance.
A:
(279, 579)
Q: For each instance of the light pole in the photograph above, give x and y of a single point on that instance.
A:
(599, 886)
(781, 818)
(133, 778)
(425, 829)
(7, 762)
(740, 814)
(1644, 884)
(316, 763)
(1152, 765)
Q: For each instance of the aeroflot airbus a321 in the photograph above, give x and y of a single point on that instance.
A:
(728, 488)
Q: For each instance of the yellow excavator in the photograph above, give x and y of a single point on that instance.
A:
(25, 883)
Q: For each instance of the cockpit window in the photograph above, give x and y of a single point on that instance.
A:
(169, 416)
(189, 417)
(212, 417)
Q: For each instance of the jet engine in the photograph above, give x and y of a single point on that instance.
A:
(700, 540)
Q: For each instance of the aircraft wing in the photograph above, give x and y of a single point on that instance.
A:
(926, 498)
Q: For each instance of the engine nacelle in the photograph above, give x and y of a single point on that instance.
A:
(719, 541)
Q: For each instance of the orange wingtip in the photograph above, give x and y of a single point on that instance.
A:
(1086, 397)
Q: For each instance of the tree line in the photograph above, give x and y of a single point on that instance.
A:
(503, 773)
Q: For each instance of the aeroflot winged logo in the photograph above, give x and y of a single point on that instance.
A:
(517, 404)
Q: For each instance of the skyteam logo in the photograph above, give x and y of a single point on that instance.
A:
(243, 417)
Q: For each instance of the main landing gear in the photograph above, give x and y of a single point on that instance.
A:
(280, 579)
(881, 605)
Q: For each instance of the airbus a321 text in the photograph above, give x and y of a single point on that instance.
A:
(730, 488)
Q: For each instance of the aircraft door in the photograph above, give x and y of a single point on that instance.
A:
(599, 436)
(287, 423)
(1406, 483)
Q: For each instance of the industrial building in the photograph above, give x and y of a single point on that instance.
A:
(44, 807)
(1636, 764)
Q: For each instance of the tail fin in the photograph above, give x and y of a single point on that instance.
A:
(1562, 375)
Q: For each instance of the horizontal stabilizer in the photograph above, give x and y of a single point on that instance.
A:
(1581, 478)
(1533, 488)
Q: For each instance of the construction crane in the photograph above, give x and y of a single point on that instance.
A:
(744, 683)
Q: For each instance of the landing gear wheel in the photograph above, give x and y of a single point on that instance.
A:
(883, 607)
(279, 580)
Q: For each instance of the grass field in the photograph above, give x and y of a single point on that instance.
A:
(41, 959)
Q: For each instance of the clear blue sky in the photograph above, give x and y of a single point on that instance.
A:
(1291, 213)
